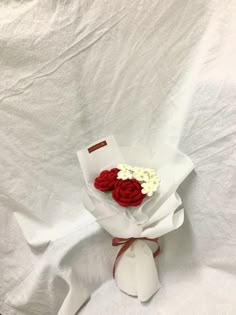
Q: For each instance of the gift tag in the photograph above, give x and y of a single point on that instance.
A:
(103, 154)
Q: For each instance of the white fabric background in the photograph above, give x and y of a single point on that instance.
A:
(74, 71)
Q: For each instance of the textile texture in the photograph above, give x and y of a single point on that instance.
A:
(145, 71)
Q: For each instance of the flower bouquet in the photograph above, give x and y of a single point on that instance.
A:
(132, 194)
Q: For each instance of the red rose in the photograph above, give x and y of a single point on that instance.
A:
(128, 193)
(106, 180)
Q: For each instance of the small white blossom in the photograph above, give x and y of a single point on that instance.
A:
(141, 176)
(124, 174)
(145, 175)
(149, 171)
(149, 188)
(155, 180)
(124, 166)
(136, 169)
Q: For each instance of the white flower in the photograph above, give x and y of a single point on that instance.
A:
(124, 174)
(136, 169)
(145, 174)
(124, 166)
(149, 171)
(149, 188)
(155, 180)
(141, 176)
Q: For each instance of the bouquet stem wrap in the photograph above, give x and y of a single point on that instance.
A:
(127, 242)
(134, 228)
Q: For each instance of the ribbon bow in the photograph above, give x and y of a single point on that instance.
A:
(127, 242)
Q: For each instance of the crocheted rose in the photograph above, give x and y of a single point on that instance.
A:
(106, 180)
(128, 193)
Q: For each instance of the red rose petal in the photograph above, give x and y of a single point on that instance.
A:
(106, 180)
(128, 193)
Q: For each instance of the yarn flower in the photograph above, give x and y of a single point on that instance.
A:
(124, 174)
(149, 188)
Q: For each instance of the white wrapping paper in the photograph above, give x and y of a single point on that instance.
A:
(136, 272)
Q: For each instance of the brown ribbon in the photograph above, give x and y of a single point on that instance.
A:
(127, 242)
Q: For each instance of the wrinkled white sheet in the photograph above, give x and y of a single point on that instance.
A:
(72, 72)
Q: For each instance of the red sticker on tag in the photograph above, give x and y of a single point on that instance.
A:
(97, 146)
